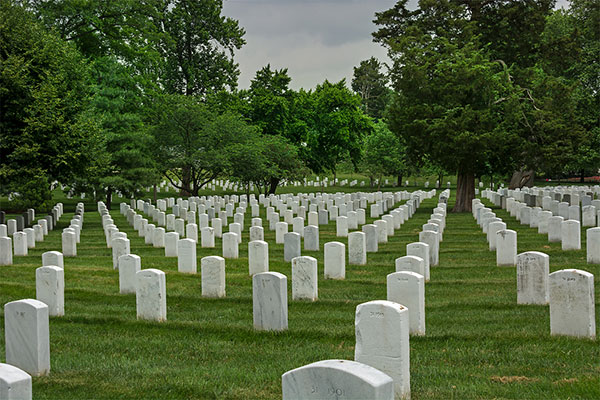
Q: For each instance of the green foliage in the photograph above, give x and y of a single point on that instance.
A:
(384, 153)
(197, 46)
(370, 83)
(192, 145)
(45, 130)
(336, 126)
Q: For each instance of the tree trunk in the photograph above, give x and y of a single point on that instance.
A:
(582, 176)
(465, 191)
(399, 180)
(108, 197)
(186, 178)
(273, 185)
(379, 183)
(155, 195)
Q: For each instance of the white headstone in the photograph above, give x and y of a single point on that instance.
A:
(230, 245)
(311, 238)
(6, 251)
(571, 235)
(304, 278)
(15, 384)
(382, 329)
(27, 336)
(186, 256)
(291, 246)
(335, 260)
(151, 295)
(269, 301)
(69, 243)
(572, 307)
(371, 237)
(432, 238)
(129, 265)
(281, 228)
(207, 237)
(533, 268)
(119, 246)
(408, 288)
(506, 248)
(257, 233)
(357, 248)
(412, 264)
(593, 245)
(336, 379)
(213, 276)
(258, 257)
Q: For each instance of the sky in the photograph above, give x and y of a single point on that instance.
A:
(314, 39)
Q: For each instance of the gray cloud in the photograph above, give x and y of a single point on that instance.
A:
(314, 39)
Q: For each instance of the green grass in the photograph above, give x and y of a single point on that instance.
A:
(479, 344)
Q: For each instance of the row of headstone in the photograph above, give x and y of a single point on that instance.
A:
(570, 293)
(566, 231)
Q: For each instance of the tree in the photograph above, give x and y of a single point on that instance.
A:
(122, 159)
(370, 83)
(336, 126)
(45, 131)
(383, 154)
(197, 46)
(193, 145)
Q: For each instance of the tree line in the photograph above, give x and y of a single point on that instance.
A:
(107, 96)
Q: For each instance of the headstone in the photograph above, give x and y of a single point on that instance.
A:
(408, 288)
(592, 244)
(207, 237)
(433, 240)
(412, 264)
(336, 379)
(6, 251)
(186, 256)
(191, 232)
(341, 226)
(230, 245)
(572, 308)
(15, 384)
(421, 250)
(151, 295)
(506, 248)
(555, 228)
(281, 228)
(120, 246)
(171, 239)
(213, 276)
(258, 256)
(371, 237)
(257, 233)
(571, 235)
(27, 336)
(304, 278)
(291, 246)
(158, 237)
(335, 260)
(532, 277)
(382, 230)
(382, 329)
(69, 243)
(269, 301)
(357, 248)
(311, 238)
(129, 265)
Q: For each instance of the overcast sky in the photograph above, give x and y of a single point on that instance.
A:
(314, 39)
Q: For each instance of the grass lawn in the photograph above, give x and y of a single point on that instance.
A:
(479, 344)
